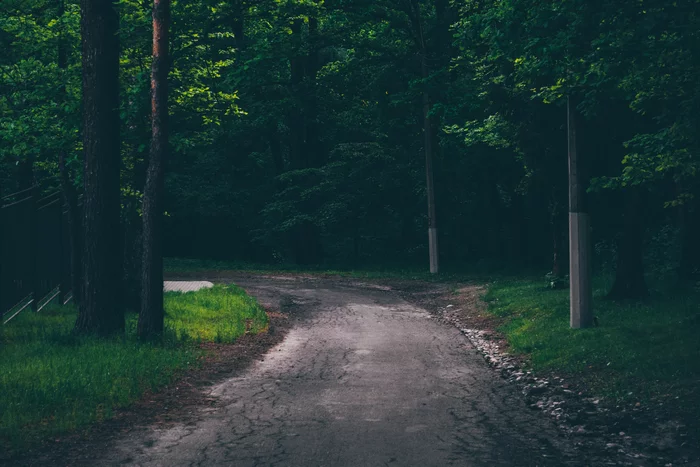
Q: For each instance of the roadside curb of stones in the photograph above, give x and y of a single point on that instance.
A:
(585, 420)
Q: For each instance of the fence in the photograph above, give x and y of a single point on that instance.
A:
(34, 252)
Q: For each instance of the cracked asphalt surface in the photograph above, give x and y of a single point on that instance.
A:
(363, 378)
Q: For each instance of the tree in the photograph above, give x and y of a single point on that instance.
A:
(151, 316)
(629, 274)
(295, 128)
(100, 311)
(70, 194)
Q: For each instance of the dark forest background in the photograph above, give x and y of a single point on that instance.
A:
(297, 127)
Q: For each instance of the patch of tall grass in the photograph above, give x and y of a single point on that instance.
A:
(642, 351)
(53, 382)
(197, 316)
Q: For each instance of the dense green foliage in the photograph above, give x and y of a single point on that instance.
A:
(55, 382)
(296, 125)
(642, 352)
(297, 137)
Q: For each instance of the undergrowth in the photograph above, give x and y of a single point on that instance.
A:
(53, 382)
(472, 272)
(641, 351)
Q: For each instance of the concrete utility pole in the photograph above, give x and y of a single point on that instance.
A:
(414, 14)
(430, 185)
(579, 233)
(432, 223)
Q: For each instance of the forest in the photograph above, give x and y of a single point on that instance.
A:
(298, 131)
(456, 152)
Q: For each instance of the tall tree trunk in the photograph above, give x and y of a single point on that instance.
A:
(305, 237)
(25, 175)
(555, 216)
(70, 194)
(276, 149)
(689, 267)
(296, 122)
(311, 145)
(100, 311)
(238, 24)
(151, 316)
(629, 275)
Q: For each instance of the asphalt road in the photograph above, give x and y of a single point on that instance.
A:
(363, 378)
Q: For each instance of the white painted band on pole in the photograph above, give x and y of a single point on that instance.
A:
(581, 315)
(433, 248)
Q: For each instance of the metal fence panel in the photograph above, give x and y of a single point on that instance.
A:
(34, 251)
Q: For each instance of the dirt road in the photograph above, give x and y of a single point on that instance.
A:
(363, 378)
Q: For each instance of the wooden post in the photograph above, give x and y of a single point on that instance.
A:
(581, 315)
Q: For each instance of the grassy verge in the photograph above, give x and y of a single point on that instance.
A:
(647, 352)
(52, 382)
(472, 272)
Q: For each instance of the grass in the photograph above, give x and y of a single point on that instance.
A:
(471, 272)
(647, 352)
(53, 382)
(197, 316)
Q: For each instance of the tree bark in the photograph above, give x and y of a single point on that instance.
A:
(555, 222)
(311, 144)
(238, 23)
(629, 274)
(276, 150)
(296, 122)
(70, 194)
(151, 316)
(25, 175)
(100, 311)
(306, 237)
(689, 268)
(556, 260)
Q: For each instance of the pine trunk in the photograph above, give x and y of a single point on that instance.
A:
(556, 261)
(296, 117)
(629, 275)
(311, 144)
(306, 237)
(238, 24)
(100, 311)
(152, 315)
(690, 246)
(70, 194)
